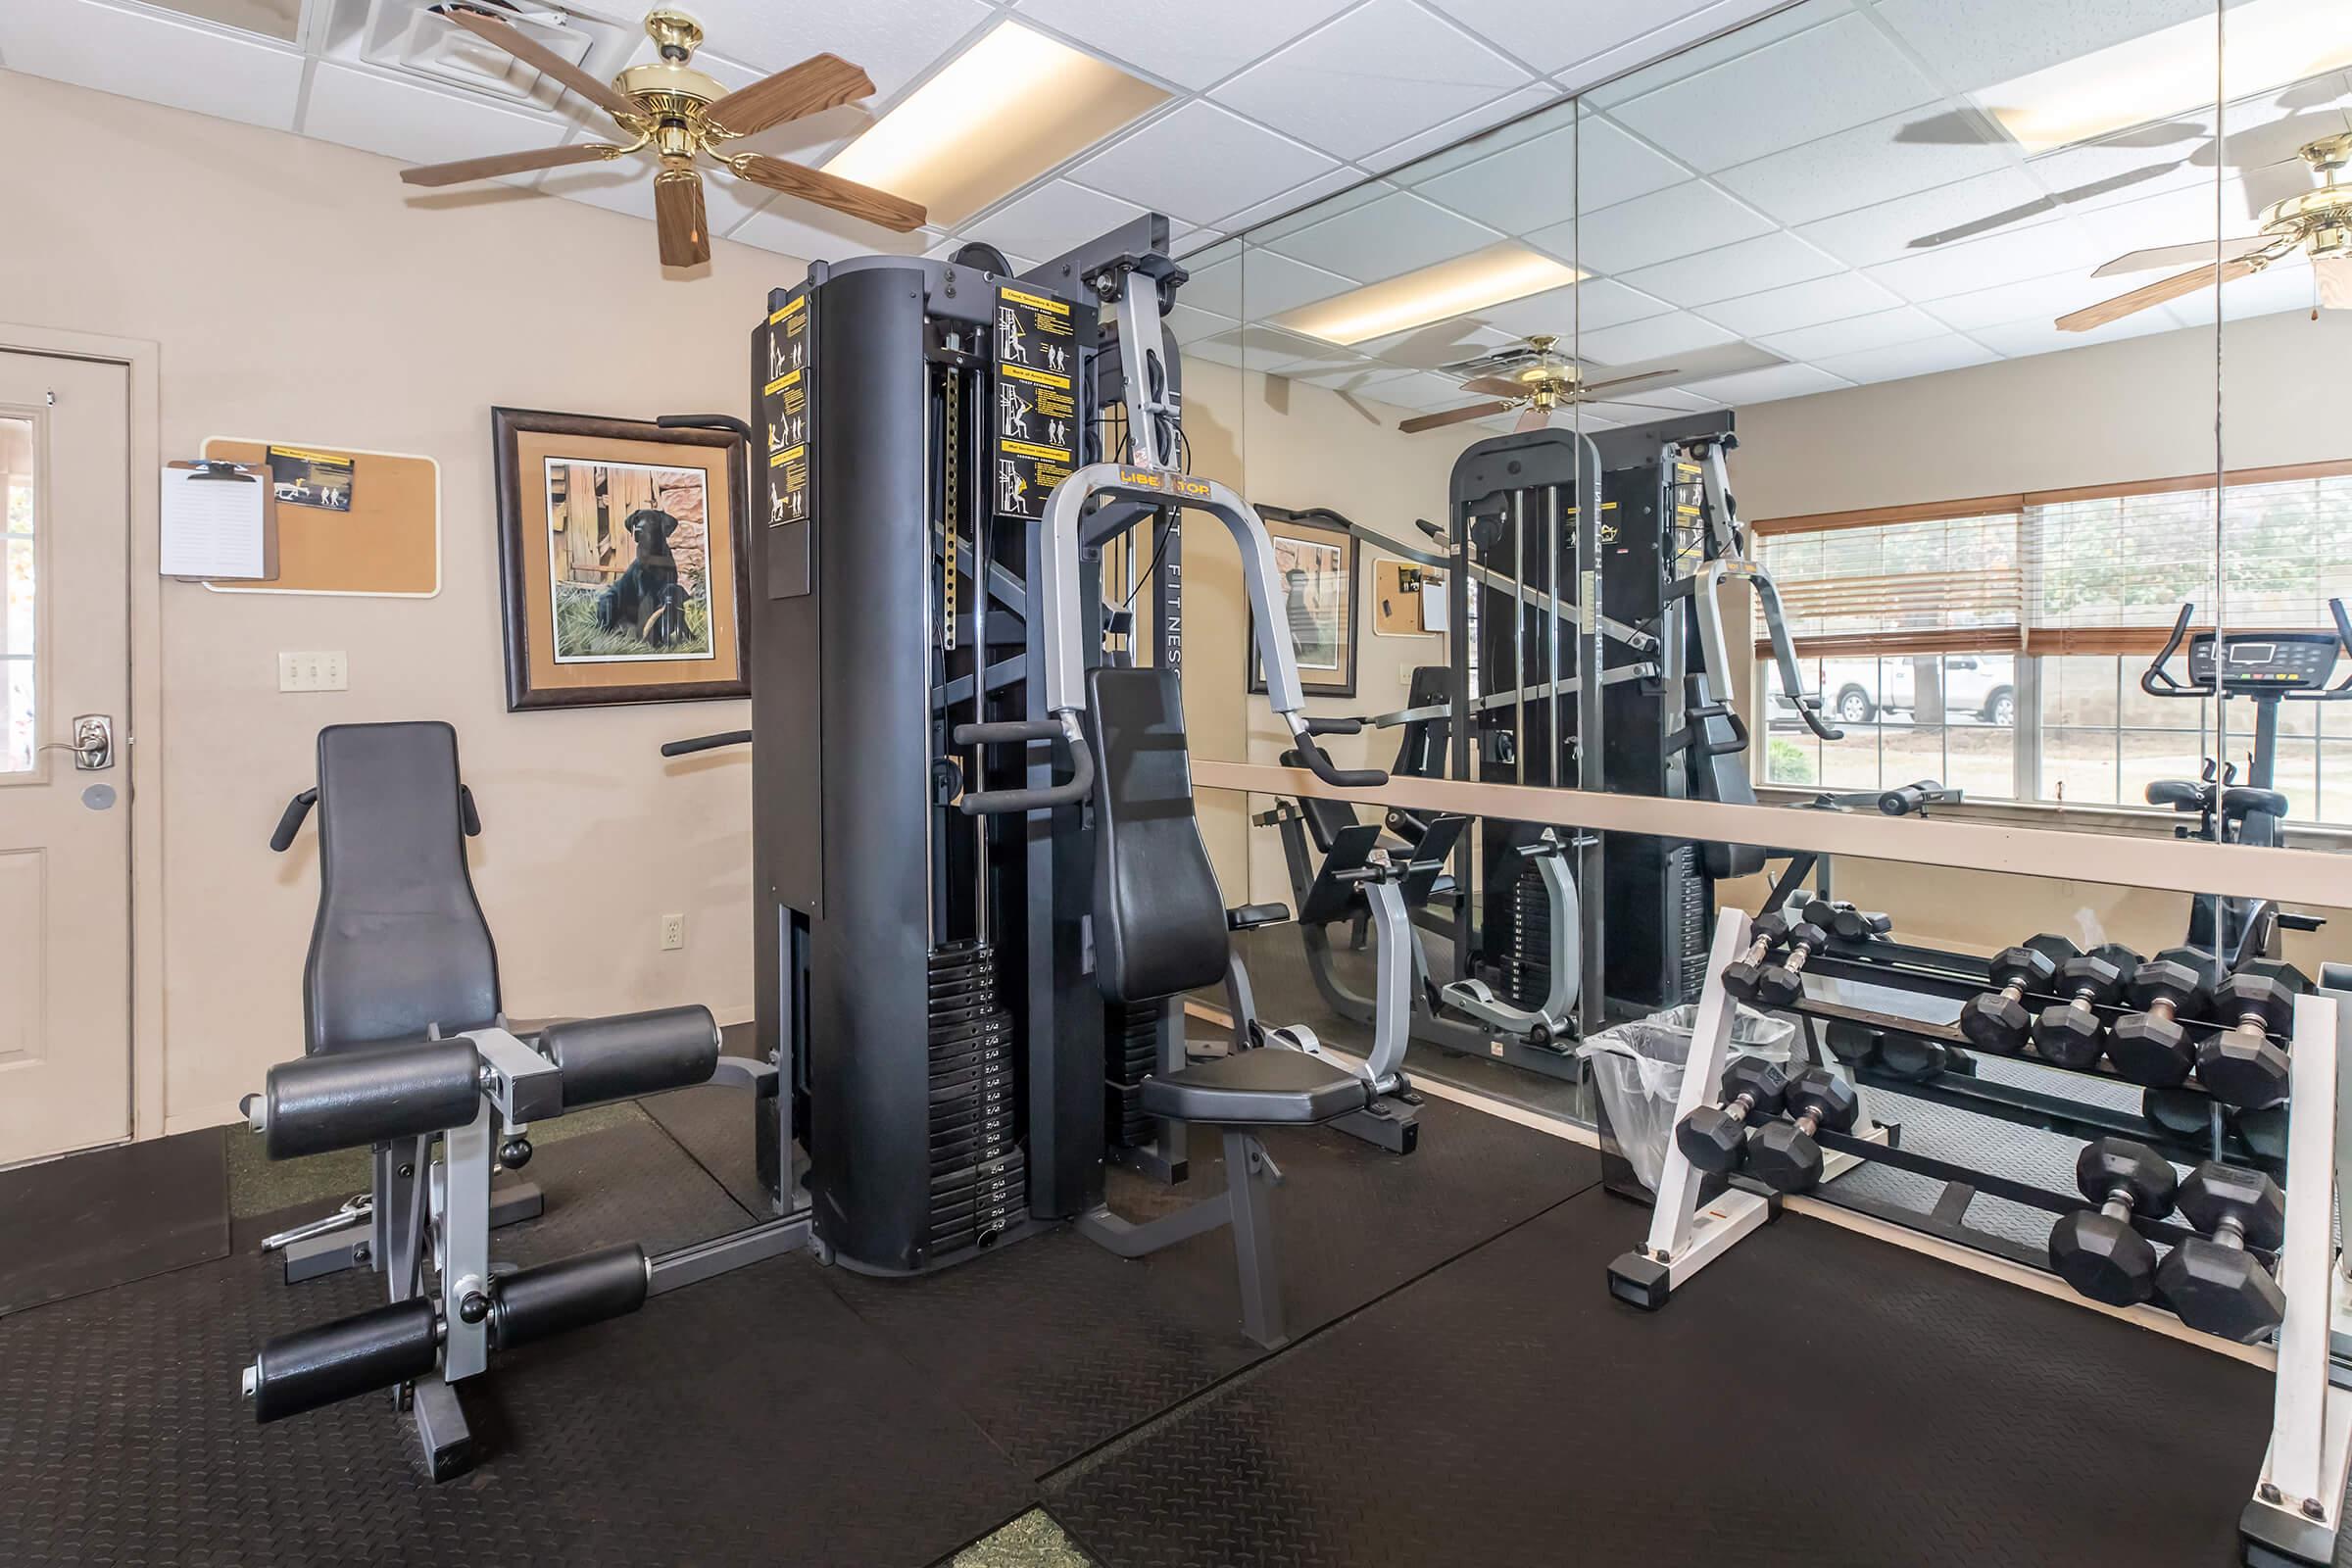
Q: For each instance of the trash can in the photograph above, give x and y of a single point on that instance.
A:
(1638, 1068)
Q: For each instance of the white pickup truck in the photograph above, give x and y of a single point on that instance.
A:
(1978, 687)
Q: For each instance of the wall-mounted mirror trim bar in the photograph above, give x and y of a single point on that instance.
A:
(2182, 865)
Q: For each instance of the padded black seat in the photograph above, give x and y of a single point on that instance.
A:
(400, 944)
(1261, 1088)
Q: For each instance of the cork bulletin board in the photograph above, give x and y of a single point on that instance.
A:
(384, 540)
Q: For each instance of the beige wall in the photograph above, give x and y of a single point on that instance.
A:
(244, 254)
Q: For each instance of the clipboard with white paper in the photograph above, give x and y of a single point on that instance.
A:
(217, 522)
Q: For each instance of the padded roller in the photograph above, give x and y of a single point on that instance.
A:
(635, 1054)
(350, 1099)
(573, 1293)
(314, 1367)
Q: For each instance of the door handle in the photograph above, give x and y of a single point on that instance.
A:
(92, 745)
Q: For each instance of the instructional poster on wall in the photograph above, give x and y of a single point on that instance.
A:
(321, 480)
(784, 408)
(1037, 412)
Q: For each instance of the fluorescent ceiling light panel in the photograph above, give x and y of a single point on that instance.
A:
(1463, 286)
(2269, 44)
(997, 115)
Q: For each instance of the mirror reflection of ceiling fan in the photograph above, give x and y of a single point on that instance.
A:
(680, 114)
(2317, 224)
(1530, 377)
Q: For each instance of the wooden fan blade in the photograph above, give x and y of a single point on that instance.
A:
(1534, 419)
(1626, 380)
(1430, 421)
(2335, 281)
(1495, 386)
(830, 190)
(2156, 293)
(532, 53)
(465, 169)
(2188, 254)
(679, 217)
(817, 84)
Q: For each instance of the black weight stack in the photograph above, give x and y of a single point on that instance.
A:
(978, 1170)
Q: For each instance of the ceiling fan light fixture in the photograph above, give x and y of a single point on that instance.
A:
(2270, 43)
(1466, 284)
(1014, 105)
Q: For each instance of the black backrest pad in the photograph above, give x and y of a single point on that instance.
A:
(1326, 820)
(1160, 919)
(400, 943)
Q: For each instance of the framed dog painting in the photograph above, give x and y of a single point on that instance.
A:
(620, 559)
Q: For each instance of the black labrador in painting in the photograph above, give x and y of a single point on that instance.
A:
(647, 598)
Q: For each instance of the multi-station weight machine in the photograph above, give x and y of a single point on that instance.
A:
(1566, 553)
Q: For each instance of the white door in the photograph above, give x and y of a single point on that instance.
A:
(65, 829)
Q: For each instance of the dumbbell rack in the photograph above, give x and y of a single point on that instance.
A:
(2296, 1510)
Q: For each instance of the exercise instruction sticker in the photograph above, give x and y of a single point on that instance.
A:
(321, 479)
(784, 409)
(1037, 413)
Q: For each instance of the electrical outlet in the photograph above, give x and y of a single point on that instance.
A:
(314, 673)
(1404, 674)
(674, 932)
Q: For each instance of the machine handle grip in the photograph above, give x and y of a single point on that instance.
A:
(289, 822)
(704, 421)
(2343, 637)
(1346, 778)
(707, 743)
(991, 803)
(1736, 744)
(468, 818)
(2157, 672)
(1335, 726)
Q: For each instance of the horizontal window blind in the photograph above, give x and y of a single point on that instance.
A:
(2100, 570)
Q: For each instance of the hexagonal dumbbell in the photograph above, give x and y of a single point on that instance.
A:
(1847, 923)
(1780, 985)
(2241, 1065)
(1741, 975)
(2070, 1033)
(1784, 1156)
(2152, 1046)
(1997, 1021)
(1714, 1138)
(2096, 1250)
(2212, 1280)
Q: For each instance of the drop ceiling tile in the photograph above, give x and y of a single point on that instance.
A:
(1423, 390)
(2033, 299)
(1656, 338)
(815, 234)
(1915, 151)
(1464, 126)
(1638, 75)
(1675, 222)
(1751, 266)
(1364, 377)
(2021, 339)
(1966, 209)
(1809, 303)
(1592, 306)
(1525, 185)
(1384, 71)
(1054, 218)
(2122, 169)
(1976, 43)
(1256, 348)
(1382, 238)
(950, 244)
(1614, 166)
(895, 42)
(1948, 269)
(1857, 334)
(159, 58)
(1216, 286)
(1288, 212)
(415, 123)
(627, 187)
(1503, 138)
(1424, 348)
(1552, 36)
(1216, 37)
(1200, 164)
(1272, 283)
(1767, 385)
(1794, 90)
(1192, 325)
(1898, 362)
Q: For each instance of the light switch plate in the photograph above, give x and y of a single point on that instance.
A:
(314, 673)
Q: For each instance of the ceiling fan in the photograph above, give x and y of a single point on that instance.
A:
(680, 114)
(2316, 223)
(1530, 377)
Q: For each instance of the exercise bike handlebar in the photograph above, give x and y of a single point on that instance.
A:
(2157, 679)
(1026, 732)
(707, 743)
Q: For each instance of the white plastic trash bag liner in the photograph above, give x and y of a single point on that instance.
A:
(1637, 1067)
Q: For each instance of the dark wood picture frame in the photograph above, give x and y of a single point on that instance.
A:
(522, 550)
(1340, 682)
